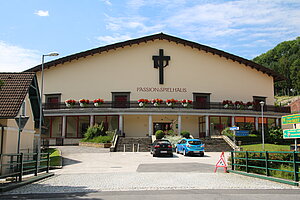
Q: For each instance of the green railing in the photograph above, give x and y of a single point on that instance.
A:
(15, 166)
(279, 164)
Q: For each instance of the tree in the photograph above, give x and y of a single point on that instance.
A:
(285, 60)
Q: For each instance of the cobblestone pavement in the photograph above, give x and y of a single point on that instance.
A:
(87, 171)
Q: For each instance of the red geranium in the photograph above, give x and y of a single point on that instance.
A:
(100, 101)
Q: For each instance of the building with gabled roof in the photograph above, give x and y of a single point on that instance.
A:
(223, 89)
(19, 95)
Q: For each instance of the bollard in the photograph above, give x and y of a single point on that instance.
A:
(124, 147)
(138, 147)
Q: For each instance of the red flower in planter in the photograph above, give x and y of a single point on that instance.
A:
(99, 101)
(84, 101)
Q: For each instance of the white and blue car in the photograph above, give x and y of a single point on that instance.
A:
(190, 147)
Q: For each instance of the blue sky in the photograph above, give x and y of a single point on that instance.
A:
(247, 28)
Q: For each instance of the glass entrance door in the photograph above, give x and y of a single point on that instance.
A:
(164, 126)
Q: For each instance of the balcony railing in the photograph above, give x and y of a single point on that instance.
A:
(194, 105)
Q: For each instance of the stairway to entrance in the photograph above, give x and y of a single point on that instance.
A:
(133, 144)
(216, 145)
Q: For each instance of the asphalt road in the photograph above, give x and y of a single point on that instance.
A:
(219, 194)
(91, 173)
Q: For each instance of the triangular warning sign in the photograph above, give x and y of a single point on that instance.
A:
(221, 163)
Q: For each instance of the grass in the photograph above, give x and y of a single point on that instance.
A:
(268, 147)
(55, 157)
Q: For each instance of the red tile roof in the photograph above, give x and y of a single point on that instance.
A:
(13, 92)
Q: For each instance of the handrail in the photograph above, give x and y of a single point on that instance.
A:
(230, 143)
(194, 105)
(16, 166)
(243, 161)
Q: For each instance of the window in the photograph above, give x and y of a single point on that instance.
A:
(121, 99)
(245, 123)
(218, 124)
(54, 127)
(257, 100)
(52, 100)
(202, 127)
(201, 100)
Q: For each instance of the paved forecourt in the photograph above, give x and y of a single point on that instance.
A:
(85, 171)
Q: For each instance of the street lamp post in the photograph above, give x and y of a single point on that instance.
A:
(262, 103)
(41, 104)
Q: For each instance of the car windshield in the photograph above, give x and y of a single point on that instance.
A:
(163, 142)
(195, 142)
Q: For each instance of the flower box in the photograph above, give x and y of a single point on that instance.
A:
(171, 102)
(186, 103)
(143, 102)
(70, 102)
(157, 102)
(98, 102)
(84, 102)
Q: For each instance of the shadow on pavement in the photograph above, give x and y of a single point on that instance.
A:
(67, 161)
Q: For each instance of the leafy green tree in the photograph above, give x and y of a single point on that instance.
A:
(285, 60)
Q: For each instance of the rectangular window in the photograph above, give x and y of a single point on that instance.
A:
(121, 99)
(202, 127)
(201, 100)
(245, 123)
(257, 100)
(218, 124)
(54, 126)
(83, 124)
(52, 100)
(72, 124)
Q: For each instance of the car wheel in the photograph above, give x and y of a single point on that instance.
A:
(171, 155)
(154, 155)
(201, 154)
(184, 153)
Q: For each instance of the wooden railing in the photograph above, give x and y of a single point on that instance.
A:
(195, 105)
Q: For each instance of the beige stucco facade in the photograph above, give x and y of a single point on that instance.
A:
(9, 136)
(130, 69)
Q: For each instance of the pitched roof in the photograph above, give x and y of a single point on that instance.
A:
(13, 92)
(161, 36)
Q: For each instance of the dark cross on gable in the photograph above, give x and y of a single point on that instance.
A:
(161, 62)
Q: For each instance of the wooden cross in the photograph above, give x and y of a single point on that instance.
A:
(159, 63)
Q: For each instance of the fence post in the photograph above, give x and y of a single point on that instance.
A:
(48, 162)
(267, 164)
(247, 169)
(232, 160)
(295, 159)
(21, 167)
(36, 165)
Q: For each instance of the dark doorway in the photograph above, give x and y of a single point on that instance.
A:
(164, 126)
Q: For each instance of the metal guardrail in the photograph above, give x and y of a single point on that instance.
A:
(264, 161)
(15, 166)
(194, 105)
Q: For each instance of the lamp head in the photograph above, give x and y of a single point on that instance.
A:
(262, 103)
(52, 54)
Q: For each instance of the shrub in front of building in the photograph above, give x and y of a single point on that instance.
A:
(185, 134)
(159, 134)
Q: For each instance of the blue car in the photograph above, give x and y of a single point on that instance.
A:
(190, 146)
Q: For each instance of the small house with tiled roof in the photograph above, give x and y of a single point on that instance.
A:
(19, 96)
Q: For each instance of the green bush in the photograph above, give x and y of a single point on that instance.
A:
(227, 132)
(185, 134)
(159, 134)
(94, 131)
(102, 139)
(275, 135)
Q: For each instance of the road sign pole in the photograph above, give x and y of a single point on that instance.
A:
(19, 135)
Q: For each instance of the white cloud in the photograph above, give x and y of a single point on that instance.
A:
(107, 2)
(17, 59)
(42, 13)
(138, 23)
(112, 39)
